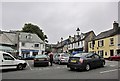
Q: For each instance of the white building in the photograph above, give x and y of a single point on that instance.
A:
(78, 43)
(30, 44)
(25, 44)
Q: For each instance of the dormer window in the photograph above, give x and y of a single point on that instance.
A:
(28, 36)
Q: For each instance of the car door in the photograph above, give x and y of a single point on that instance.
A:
(1, 60)
(57, 57)
(97, 60)
(8, 61)
(90, 60)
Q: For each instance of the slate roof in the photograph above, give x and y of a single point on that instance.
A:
(86, 35)
(108, 33)
(67, 41)
(34, 38)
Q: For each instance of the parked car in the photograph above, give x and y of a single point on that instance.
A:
(54, 56)
(61, 58)
(9, 62)
(41, 60)
(85, 61)
(116, 57)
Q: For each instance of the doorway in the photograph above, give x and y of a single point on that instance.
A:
(111, 52)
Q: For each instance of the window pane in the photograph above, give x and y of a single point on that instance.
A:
(7, 57)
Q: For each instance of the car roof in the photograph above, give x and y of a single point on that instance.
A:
(40, 56)
(4, 52)
(82, 54)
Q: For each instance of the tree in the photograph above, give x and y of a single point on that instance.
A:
(30, 28)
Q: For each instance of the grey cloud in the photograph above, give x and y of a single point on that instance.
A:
(60, 19)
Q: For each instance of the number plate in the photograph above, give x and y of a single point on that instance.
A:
(40, 59)
(73, 60)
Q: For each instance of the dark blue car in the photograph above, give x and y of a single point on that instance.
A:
(85, 61)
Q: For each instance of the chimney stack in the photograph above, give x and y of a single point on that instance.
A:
(115, 25)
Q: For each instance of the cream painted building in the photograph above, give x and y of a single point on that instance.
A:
(106, 43)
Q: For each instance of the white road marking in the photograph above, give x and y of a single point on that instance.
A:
(29, 66)
(109, 71)
(40, 69)
(64, 67)
(112, 65)
(49, 68)
(58, 67)
(46, 68)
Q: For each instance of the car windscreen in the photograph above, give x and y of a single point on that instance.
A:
(65, 55)
(40, 56)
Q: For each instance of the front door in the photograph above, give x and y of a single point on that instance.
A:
(111, 52)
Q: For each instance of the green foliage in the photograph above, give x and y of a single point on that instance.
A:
(30, 28)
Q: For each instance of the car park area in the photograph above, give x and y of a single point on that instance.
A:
(109, 71)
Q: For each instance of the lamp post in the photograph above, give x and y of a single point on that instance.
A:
(61, 44)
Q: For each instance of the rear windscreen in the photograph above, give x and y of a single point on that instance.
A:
(40, 56)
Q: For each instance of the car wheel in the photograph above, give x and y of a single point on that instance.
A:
(111, 59)
(55, 62)
(47, 64)
(103, 64)
(20, 67)
(72, 69)
(87, 67)
(59, 62)
(35, 65)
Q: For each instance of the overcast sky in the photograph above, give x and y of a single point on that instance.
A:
(60, 19)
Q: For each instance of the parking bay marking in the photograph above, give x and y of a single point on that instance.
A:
(109, 71)
(112, 65)
(29, 66)
(48, 68)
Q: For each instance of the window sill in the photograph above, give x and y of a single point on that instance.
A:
(111, 45)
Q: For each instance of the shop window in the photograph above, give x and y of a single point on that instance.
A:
(35, 53)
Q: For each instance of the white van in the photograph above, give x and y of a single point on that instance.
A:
(7, 61)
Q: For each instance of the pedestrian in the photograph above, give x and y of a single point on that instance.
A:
(51, 58)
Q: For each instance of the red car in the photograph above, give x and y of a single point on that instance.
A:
(116, 57)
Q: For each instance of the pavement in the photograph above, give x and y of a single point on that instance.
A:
(110, 71)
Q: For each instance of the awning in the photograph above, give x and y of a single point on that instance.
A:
(6, 49)
(27, 50)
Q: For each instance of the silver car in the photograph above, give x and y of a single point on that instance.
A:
(61, 58)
